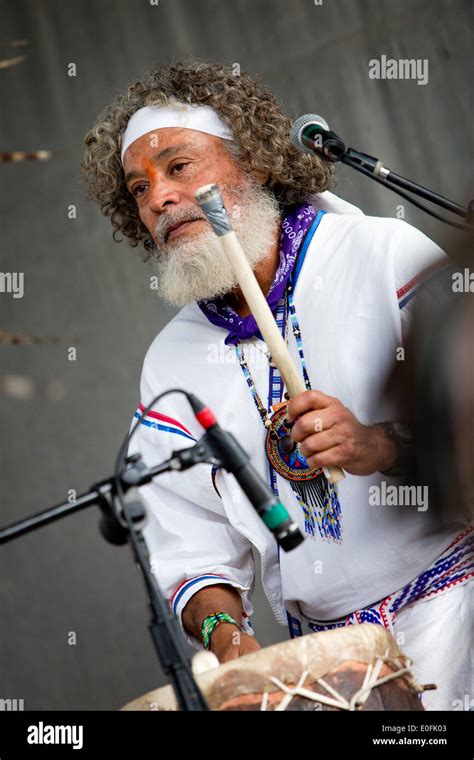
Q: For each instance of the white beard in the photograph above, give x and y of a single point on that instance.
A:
(196, 267)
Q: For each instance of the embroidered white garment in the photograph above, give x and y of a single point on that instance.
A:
(352, 300)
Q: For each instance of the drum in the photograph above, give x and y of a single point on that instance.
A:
(358, 667)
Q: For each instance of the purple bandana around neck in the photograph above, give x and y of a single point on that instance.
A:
(294, 227)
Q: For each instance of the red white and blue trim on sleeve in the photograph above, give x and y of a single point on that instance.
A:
(411, 288)
(191, 586)
(407, 292)
(182, 592)
(162, 422)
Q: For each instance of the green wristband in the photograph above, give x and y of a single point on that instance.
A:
(211, 622)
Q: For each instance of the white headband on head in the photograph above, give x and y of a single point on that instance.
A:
(149, 118)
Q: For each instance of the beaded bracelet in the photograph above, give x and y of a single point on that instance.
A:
(211, 622)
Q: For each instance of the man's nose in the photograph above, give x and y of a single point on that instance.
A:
(162, 194)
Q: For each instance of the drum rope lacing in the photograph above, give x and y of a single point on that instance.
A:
(371, 681)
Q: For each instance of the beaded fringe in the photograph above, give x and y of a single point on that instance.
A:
(321, 508)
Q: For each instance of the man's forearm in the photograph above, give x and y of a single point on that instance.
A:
(218, 598)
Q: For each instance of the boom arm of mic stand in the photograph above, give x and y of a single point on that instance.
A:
(369, 165)
(101, 493)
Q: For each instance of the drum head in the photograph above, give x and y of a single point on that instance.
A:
(345, 658)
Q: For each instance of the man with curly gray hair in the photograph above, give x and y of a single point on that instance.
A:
(340, 286)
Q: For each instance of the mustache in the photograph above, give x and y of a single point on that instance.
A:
(167, 222)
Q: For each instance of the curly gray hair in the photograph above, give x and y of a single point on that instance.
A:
(261, 130)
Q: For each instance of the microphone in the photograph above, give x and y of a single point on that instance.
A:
(311, 134)
(235, 460)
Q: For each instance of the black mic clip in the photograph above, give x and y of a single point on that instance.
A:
(330, 144)
(137, 473)
(113, 524)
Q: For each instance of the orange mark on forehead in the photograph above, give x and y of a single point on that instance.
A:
(149, 167)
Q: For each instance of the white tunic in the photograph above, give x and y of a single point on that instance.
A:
(351, 300)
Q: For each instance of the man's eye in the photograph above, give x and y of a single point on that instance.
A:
(182, 163)
(136, 189)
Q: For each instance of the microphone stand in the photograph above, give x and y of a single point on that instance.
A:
(165, 631)
(373, 167)
(331, 148)
(123, 523)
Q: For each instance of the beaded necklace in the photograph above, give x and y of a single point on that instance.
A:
(316, 495)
